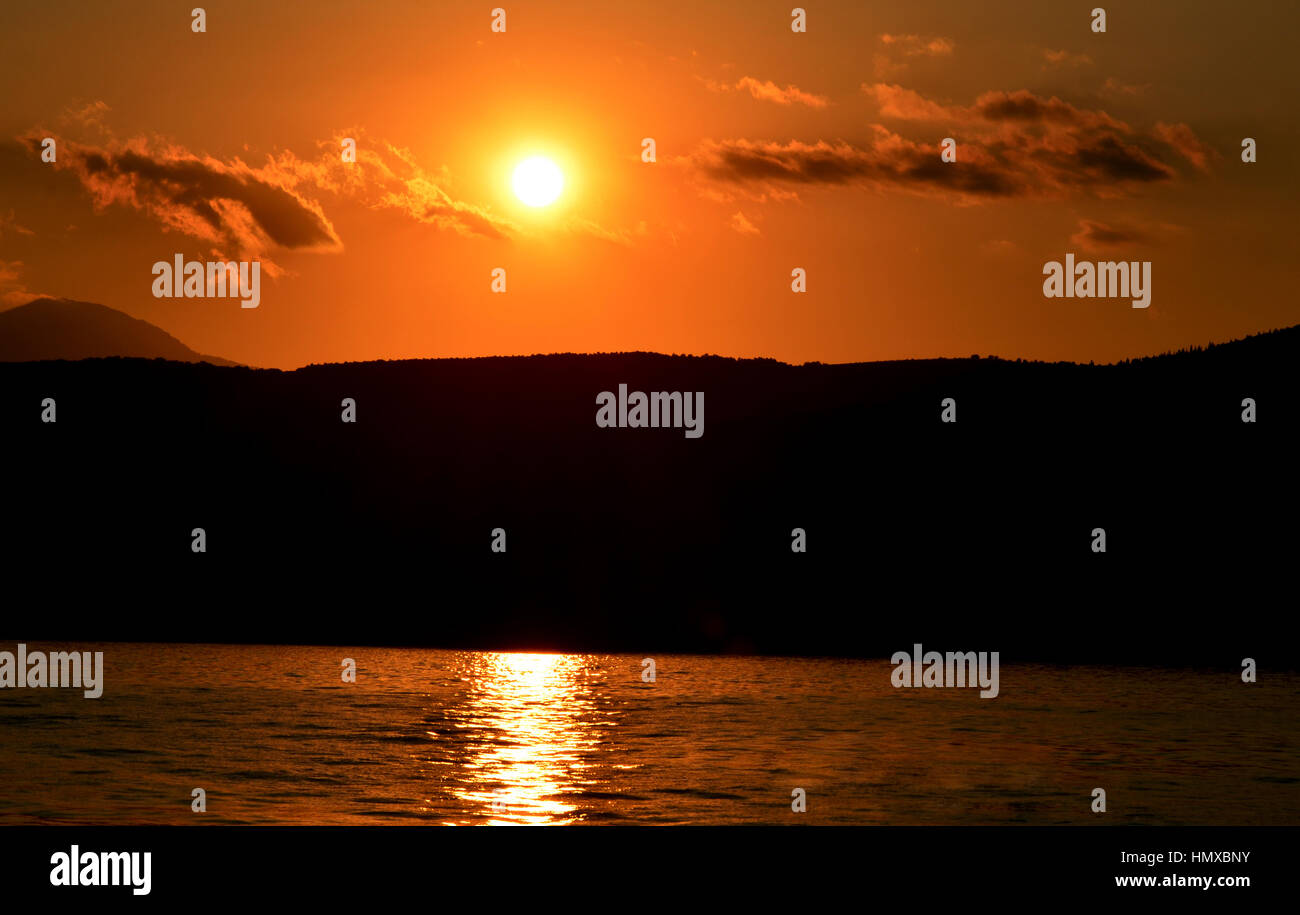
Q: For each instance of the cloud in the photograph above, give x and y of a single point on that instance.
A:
(1023, 106)
(1047, 147)
(248, 211)
(8, 224)
(1009, 145)
(1112, 86)
(1095, 236)
(768, 91)
(999, 247)
(891, 162)
(1099, 236)
(1065, 59)
(742, 225)
(919, 46)
(386, 176)
(898, 51)
(730, 193)
(771, 92)
(12, 289)
(990, 107)
(238, 209)
(581, 226)
(906, 104)
(87, 115)
(424, 201)
(1181, 138)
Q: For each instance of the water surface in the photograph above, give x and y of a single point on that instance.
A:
(273, 735)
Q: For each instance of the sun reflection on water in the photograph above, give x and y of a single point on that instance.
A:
(530, 724)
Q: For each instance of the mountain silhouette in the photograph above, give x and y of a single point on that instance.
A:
(972, 535)
(48, 328)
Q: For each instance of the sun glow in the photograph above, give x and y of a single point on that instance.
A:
(537, 181)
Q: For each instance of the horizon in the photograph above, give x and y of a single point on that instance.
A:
(1190, 348)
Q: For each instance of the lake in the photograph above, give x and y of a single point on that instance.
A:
(274, 736)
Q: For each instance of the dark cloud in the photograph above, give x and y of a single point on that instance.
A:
(1024, 106)
(1097, 235)
(284, 217)
(1107, 158)
(237, 208)
(893, 162)
(1009, 144)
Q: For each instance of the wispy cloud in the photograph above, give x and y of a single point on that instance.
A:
(999, 247)
(87, 115)
(1092, 235)
(9, 224)
(919, 45)
(13, 291)
(580, 225)
(742, 225)
(768, 91)
(1054, 59)
(896, 53)
(1112, 86)
(1181, 138)
(1095, 236)
(907, 104)
(387, 176)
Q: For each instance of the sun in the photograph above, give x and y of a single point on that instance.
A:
(537, 181)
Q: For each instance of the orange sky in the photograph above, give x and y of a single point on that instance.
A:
(775, 150)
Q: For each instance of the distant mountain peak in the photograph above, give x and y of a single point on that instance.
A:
(49, 328)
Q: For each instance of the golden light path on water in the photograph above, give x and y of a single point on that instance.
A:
(531, 736)
(471, 737)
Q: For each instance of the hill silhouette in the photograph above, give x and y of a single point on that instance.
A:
(975, 535)
(47, 328)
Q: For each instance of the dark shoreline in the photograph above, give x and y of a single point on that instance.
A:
(976, 535)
